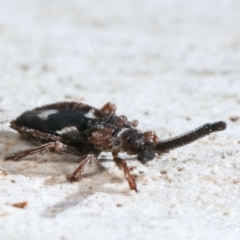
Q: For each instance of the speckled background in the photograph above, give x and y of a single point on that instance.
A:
(173, 65)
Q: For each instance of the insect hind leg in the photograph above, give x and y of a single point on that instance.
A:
(57, 147)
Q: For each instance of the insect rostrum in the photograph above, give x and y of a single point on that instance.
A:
(79, 129)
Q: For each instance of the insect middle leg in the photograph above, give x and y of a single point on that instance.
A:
(57, 147)
(85, 162)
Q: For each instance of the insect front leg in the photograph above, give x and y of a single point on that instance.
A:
(85, 162)
(57, 147)
(129, 177)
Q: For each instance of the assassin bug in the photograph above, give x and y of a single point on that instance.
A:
(79, 129)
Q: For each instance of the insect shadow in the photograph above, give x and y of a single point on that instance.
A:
(47, 164)
(78, 198)
(90, 184)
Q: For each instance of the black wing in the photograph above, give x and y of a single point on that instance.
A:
(57, 117)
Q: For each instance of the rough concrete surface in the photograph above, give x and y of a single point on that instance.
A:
(173, 65)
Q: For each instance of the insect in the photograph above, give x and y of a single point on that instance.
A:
(82, 130)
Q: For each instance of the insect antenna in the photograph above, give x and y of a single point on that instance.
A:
(189, 137)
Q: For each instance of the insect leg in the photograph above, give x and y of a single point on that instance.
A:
(51, 146)
(123, 165)
(87, 161)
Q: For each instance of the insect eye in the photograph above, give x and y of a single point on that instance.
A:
(146, 154)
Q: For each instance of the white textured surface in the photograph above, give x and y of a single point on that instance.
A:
(173, 65)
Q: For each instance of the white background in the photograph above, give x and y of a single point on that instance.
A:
(173, 65)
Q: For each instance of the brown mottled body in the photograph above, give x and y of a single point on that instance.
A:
(82, 130)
